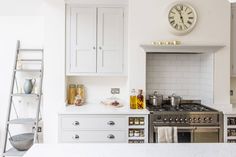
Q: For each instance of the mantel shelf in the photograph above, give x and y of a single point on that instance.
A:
(182, 49)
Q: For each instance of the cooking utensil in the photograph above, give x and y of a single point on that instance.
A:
(22, 142)
(175, 100)
(156, 99)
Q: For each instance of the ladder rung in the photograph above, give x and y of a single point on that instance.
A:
(24, 95)
(14, 152)
(28, 70)
(30, 50)
(23, 121)
(30, 60)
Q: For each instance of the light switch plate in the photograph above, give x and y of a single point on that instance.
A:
(115, 90)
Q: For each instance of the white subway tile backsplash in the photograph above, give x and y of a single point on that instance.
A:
(190, 76)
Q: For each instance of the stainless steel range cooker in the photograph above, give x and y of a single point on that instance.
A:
(195, 122)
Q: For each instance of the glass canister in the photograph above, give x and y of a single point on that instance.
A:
(71, 94)
(80, 92)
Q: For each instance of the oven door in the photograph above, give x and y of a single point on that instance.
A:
(184, 134)
(206, 135)
(195, 135)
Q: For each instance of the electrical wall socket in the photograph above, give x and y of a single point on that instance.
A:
(231, 93)
(115, 90)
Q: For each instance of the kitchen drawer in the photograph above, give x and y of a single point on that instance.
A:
(93, 136)
(92, 123)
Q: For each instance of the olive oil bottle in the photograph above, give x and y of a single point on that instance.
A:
(133, 99)
(140, 100)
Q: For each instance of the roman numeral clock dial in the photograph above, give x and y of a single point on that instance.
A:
(182, 18)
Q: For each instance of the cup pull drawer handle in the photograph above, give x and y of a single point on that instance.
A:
(111, 123)
(76, 137)
(111, 136)
(76, 123)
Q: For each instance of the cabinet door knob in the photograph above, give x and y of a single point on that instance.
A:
(100, 48)
(111, 123)
(94, 48)
(76, 137)
(110, 136)
(76, 123)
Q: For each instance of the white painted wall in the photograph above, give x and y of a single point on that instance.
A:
(54, 80)
(21, 21)
(147, 24)
(98, 89)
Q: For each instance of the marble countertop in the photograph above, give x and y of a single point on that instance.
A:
(132, 150)
(105, 109)
(101, 109)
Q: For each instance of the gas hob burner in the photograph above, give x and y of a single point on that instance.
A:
(185, 107)
(195, 108)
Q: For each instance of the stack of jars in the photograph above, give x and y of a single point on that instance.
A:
(76, 94)
(137, 101)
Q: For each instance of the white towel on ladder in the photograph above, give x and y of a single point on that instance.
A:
(166, 134)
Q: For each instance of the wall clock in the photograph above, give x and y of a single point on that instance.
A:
(182, 18)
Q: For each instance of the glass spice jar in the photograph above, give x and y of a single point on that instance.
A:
(71, 93)
(80, 92)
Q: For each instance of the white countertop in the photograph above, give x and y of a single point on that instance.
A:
(100, 109)
(132, 150)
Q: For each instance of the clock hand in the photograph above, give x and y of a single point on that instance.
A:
(180, 14)
(181, 17)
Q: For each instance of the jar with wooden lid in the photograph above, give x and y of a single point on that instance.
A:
(71, 94)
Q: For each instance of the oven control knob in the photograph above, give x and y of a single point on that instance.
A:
(205, 119)
(194, 119)
(185, 119)
(176, 119)
(210, 119)
(171, 119)
(181, 119)
(199, 119)
(190, 119)
(164, 119)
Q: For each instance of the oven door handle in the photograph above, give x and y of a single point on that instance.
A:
(197, 127)
(181, 128)
(203, 127)
(186, 128)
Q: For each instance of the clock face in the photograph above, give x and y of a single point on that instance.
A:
(182, 18)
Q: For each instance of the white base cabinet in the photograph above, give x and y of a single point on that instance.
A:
(103, 128)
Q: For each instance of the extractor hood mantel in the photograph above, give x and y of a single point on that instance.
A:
(182, 49)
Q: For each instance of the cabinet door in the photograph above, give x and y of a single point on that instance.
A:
(110, 40)
(233, 42)
(83, 40)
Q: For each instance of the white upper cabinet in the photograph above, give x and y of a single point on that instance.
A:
(233, 41)
(96, 40)
(110, 40)
(83, 40)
